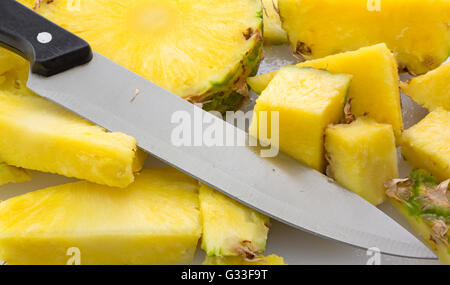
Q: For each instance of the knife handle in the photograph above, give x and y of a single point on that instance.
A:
(49, 48)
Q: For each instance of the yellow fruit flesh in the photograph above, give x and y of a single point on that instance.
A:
(431, 90)
(233, 260)
(374, 89)
(415, 30)
(362, 157)
(273, 32)
(11, 174)
(308, 100)
(154, 221)
(426, 145)
(229, 227)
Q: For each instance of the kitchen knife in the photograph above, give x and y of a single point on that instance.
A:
(66, 71)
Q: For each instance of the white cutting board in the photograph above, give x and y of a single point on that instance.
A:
(295, 246)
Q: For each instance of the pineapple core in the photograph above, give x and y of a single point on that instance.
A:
(308, 100)
(362, 157)
(156, 220)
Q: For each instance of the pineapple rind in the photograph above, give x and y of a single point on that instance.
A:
(156, 220)
(229, 225)
(237, 260)
(11, 174)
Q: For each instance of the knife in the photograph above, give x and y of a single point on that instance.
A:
(66, 71)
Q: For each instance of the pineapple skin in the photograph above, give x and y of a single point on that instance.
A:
(303, 115)
(235, 260)
(431, 90)
(11, 174)
(273, 32)
(374, 90)
(156, 220)
(228, 226)
(426, 144)
(362, 157)
(418, 34)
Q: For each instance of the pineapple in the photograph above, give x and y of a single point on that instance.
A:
(229, 228)
(431, 90)
(417, 31)
(235, 260)
(362, 157)
(425, 204)
(11, 174)
(201, 50)
(374, 90)
(308, 100)
(426, 145)
(156, 220)
(273, 32)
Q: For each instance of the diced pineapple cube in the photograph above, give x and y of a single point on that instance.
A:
(156, 220)
(427, 144)
(431, 90)
(308, 100)
(362, 157)
(374, 90)
(230, 228)
(273, 32)
(11, 174)
(236, 260)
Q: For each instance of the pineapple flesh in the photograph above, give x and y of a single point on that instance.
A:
(11, 174)
(156, 220)
(307, 101)
(425, 205)
(426, 144)
(374, 91)
(362, 157)
(235, 260)
(230, 228)
(201, 50)
(431, 90)
(415, 30)
(273, 32)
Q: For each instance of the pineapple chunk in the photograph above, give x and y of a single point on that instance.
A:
(201, 50)
(235, 260)
(426, 206)
(229, 228)
(40, 135)
(273, 32)
(426, 145)
(374, 89)
(154, 221)
(308, 100)
(415, 30)
(362, 157)
(431, 90)
(11, 174)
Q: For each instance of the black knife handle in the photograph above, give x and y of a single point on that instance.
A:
(49, 48)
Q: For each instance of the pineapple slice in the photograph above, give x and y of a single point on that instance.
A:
(431, 90)
(273, 32)
(229, 228)
(11, 174)
(374, 90)
(156, 220)
(426, 206)
(235, 260)
(308, 100)
(201, 50)
(418, 33)
(362, 157)
(426, 145)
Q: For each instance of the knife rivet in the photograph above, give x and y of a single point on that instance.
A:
(44, 37)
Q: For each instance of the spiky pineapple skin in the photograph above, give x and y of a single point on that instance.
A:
(303, 115)
(236, 260)
(362, 157)
(418, 34)
(374, 91)
(156, 220)
(426, 144)
(11, 174)
(273, 32)
(431, 90)
(229, 225)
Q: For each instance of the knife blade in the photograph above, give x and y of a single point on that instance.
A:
(104, 92)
